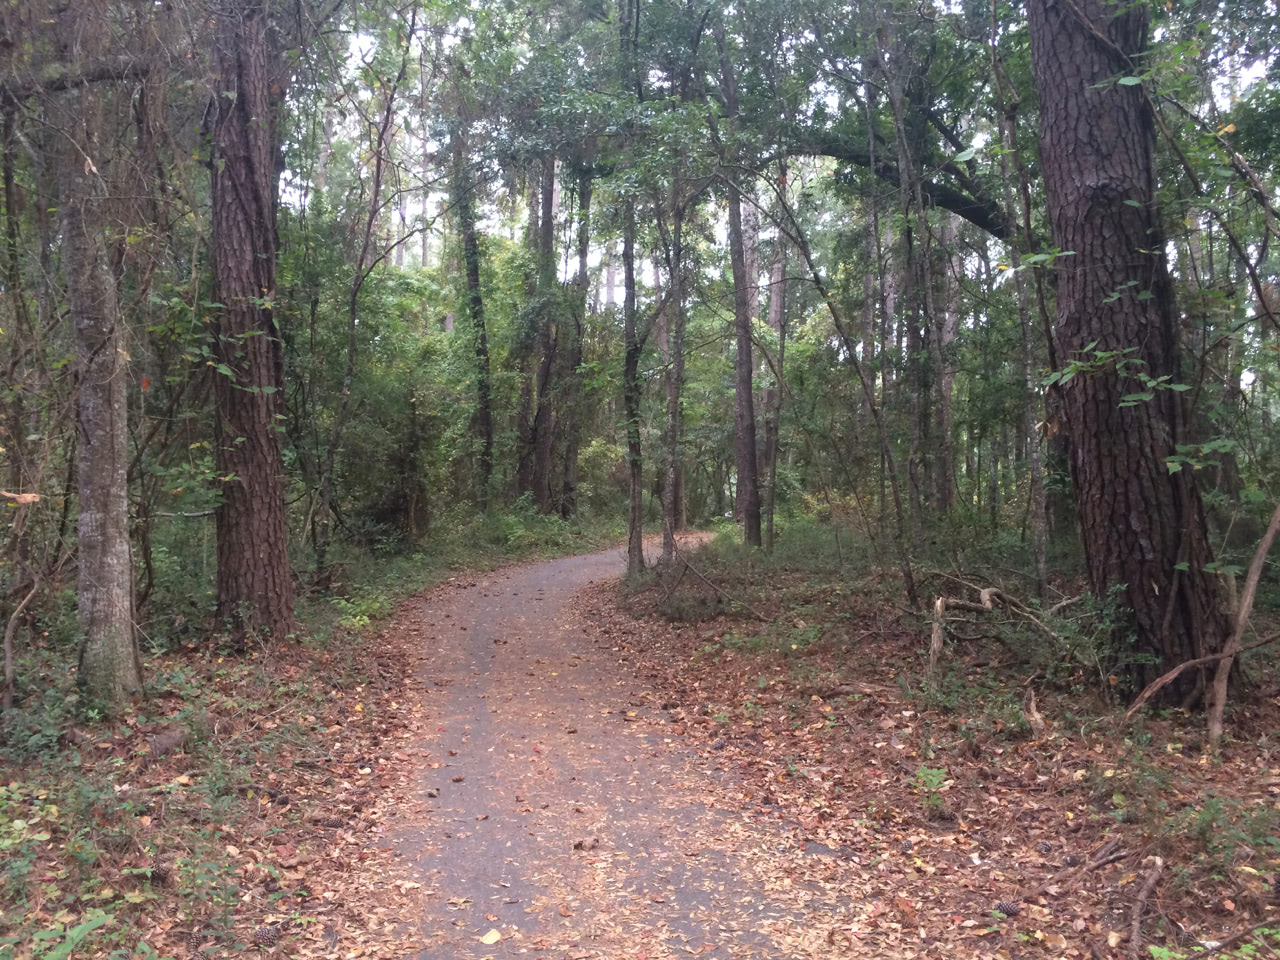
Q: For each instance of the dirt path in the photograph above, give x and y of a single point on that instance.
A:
(566, 814)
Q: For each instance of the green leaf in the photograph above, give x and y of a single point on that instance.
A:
(1129, 81)
(964, 155)
(75, 935)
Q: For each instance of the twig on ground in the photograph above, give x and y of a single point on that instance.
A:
(720, 590)
(1140, 906)
(1237, 938)
(1165, 679)
(988, 598)
(1031, 713)
(1109, 852)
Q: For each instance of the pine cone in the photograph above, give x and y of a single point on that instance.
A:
(332, 821)
(1010, 908)
(195, 940)
(267, 936)
(1044, 846)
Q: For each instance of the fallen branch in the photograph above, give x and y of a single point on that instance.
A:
(720, 590)
(1237, 938)
(1031, 713)
(1140, 906)
(988, 599)
(938, 636)
(1109, 852)
(1165, 679)
(1218, 689)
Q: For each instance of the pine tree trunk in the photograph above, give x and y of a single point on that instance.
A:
(254, 584)
(110, 670)
(1143, 526)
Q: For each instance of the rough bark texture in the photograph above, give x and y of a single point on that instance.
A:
(254, 589)
(1139, 522)
(110, 669)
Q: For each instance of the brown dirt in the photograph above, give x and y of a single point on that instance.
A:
(567, 813)
(594, 781)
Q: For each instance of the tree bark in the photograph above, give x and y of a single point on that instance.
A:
(773, 401)
(744, 298)
(110, 669)
(672, 441)
(946, 323)
(744, 417)
(573, 379)
(541, 431)
(631, 396)
(1143, 526)
(465, 212)
(254, 585)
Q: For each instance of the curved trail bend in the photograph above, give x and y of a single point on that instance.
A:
(565, 810)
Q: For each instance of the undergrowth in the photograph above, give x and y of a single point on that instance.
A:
(811, 640)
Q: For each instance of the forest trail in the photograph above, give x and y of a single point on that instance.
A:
(564, 812)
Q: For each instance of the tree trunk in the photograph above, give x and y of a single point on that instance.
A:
(573, 379)
(465, 211)
(672, 440)
(744, 417)
(742, 259)
(1143, 526)
(946, 323)
(773, 405)
(541, 435)
(522, 349)
(110, 669)
(631, 396)
(254, 586)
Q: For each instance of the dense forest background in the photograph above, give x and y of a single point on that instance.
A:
(291, 289)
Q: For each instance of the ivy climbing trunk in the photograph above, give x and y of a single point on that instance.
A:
(254, 585)
(1142, 524)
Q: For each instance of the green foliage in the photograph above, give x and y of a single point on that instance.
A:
(929, 782)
